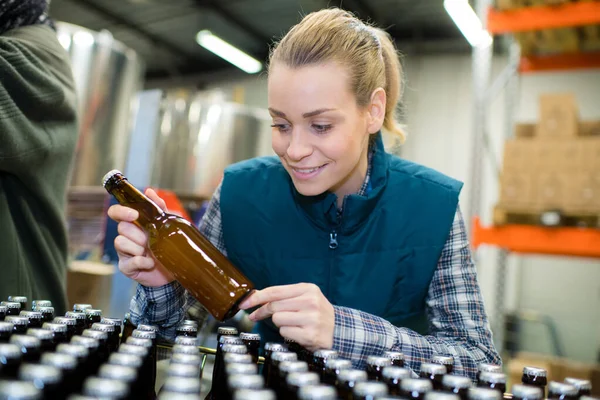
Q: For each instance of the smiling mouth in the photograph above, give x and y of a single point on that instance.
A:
(307, 170)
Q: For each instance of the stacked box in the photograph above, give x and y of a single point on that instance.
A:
(554, 164)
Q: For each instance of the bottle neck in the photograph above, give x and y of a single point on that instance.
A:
(129, 196)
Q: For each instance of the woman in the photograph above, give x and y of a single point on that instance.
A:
(352, 248)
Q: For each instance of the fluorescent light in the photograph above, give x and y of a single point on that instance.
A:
(467, 21)
(227, 52)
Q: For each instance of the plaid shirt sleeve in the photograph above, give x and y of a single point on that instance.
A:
(458, 323)
(166, 306)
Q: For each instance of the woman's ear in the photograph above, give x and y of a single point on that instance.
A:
(376, 110)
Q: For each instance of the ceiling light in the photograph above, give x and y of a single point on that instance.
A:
(467, 21)
(227, 52)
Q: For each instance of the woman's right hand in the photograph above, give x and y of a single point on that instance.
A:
(136, 260)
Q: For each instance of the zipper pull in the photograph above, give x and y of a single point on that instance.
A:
(333, 243)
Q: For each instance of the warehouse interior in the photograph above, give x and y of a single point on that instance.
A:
(501, 95)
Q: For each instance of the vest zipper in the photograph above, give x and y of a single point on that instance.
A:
(333, 243)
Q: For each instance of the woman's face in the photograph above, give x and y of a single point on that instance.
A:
(319, 132)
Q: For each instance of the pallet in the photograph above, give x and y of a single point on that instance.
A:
(505, 216)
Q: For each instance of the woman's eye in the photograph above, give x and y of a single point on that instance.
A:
(321, 128)
(281, 127)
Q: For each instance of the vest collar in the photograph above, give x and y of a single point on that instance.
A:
(322, 209)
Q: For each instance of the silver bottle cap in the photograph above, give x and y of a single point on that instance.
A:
(485, 367)
(182, 385)
(183, 370)
(10, 350)
(416, 385)
(20, 321)
(374, 389)
(99, 326)
(352, 375)
(126, 360)
(483, 394)
(138, 351)
(65, 321)
(234, 358)
(118, 372)
(492, 377)
(98, 335)
(249, 394)
(326, 354)
(18, 299)
(284, 356)
(81, 307)
(245, 381)
(181, 349)
(148, 328)
(379, 361)
(19, 390)
(11, 304)
(227, 331)
(302, 379)
(138, 334)
(101, 387)
(6, 326)
(109, 175)
(317, 392)
(31, 315)
(186, 340)
(25, 341)
(563, 389)
(441, 396)
(185, 359)
(241, 369)
(93, 312)
(396, 373)
(527, 392)
(581, 384)
(147, 343)
(35, 304)
(62, 361)
(534, 371)
(230, 340)
(75, 350)
(235, 348)
(86, 342)
(50, 326)
(42, 334)
(112, 321)
(288, 367)
(394, 355)
(338, 364)
(456, 381)
(433, 369)
(74, 314)
(255, 337)
(46, 374)
(443, 360)
(275, 347)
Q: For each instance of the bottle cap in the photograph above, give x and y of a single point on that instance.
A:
(148, 328)
(76, 315)
(443, 360)
(62, 361)
(112, 321)
(337, 364)
(180, 348)
(441, 396)
(6, 326)
(246, 381)
(31, 315)
(10, 351)
(563, 389)
(534, 371)
(483, 394)
(182, 385)
(111, 174)
(42, 334)
(325, 354)
(87, 342)
(235, 348)
(138, 334)
(252, 337)
(26, 342)
(396, 373)
(3, 310)
(99, 326)
(140, 351)
(18, 299)
(81, 307)
(126, 360)
(185, 359)
(93, 312)
(249, 394)
(302, 379)
(352, 375)
(98, 335)
(527, 392)
(46, 310)
(275, 347)
(241, 369)
(101, 387)
(492, 377)
(484, 367)
(35, 304)
(373, 389)
(456, 381)
(581, 384)
(75, 350)
(227, 331)
(288, 367)
(233, 358)
(416, 385)
(187, 328)
(11, 304)
(394, 355)
(186, 340)
(284, 356)
(433, 369)
(19, 390)
(183, 370)
(46, 374)
(379, 361)
(19, 321)
(230, 340)
(317, 392)
(65, 321)
(147, 343)
(118, 372)
(54, 327)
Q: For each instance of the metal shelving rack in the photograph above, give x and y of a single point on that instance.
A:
(518, 238)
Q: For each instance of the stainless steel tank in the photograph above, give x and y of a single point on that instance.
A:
(199, 135)
(107, 76)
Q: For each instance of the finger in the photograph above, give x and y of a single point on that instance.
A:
(136, 264)
(156, 198)
(127, 247)
(275, 293)
(120, 213)
(293, 304)
(293, 332)
(291, 318)
(133, 233)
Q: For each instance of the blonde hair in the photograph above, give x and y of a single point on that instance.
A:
(368, 53)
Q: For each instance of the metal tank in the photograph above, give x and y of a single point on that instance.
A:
(199, 135)
(107, 77)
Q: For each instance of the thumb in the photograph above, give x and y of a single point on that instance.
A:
(155, 198)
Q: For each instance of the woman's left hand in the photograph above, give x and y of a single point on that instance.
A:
(301, 312)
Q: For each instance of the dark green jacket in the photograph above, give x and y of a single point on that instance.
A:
(38, 135)
(388, 242)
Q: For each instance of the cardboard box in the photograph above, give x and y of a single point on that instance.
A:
(583, 193)
(591, 153)
(549, 155)
(524, 130)
(590, 38)
(559, 117)
(551, 189)
(519, 155)
(517, 190)
(555, 41)
(527, 41)
(589, 128)
(90, 282)
(570, 156)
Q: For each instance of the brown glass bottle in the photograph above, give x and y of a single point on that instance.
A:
(19, 299)
(146, 340)
(286, 368)
(80, 319)
(93, 347)
(272, 381)
(81, 307)
(31, 347)
(535, 377)
(270, 348)
(142, 386)
(239, 382)
(319, 359)
(72, 377)
(36, 304)
(347, 379)
(6, 331)
(396, 357)
(46, 377)
(35, 318)
(375, 366)
(113, 337)
(10, 359)
(180, 247)
(128, 328)
(295, 347)
(12, 307)
(393, 376)
(493, 380)
(187, 330)
(121, 373)
(47, 313)
(19, 324)
(3, 311)
(562, 391)
(584, 387)
(252, 342)
(456, 384)
(71, 324)
(333, 366)
(296, 380)
(92, 316)
(485, 367)
(116, 322)
(102, 338)
(46, 338)
(433, 372)
(446, 361)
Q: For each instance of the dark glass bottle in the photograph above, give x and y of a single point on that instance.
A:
(317, 392)
(527, 392)
(121, 373)
(535, 377)
(81, 307)
(446, 361)
(71, 324)
(92, 316)
(248, 394)
(10, 360)
(233, 358)
(149, 367)
(105, 388)
(128, 328)
(441, 396)
(102, 339)
(186, 340)
(187, 330)
(433, 372)
(296, 380)
(180, 247)
(286, 368)
(562, 391)
(46, 338)
(393, 376)
(375, 366)
(80, 319)
(238, 382)
(456, 384)
(116, 322)
(19, 390)
(240, 369)
(415, 388)
(47, 313)
(295, 347)
(224, 331)
(59, 332)
(493, 380)
(583, 386)
(6, 330)
(396, 357)
(12, 307)
(177, 384)
(333, 366)
(68, 366)
(219, 386)
(81, 353)
(485, 367)
(113, 337)
(143, 386)
(225, 338)
(3, 311)
(277, 358)
(479, 393)
(93, 347)
(252, 342)
(36, 304)
(22, 300)
(31, 347)
(319, 359)
(19, 324)
(270, 348)
(347, 379)
(369, 390)
(47, 378)
(35, 318)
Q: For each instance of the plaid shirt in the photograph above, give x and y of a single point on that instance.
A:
(458, 324)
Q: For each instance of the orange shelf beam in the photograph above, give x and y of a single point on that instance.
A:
(559, 62)
(527, 239)
(544, 17)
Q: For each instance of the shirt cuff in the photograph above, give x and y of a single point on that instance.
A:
(357, 335)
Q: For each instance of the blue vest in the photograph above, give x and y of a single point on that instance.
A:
(389, 241)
